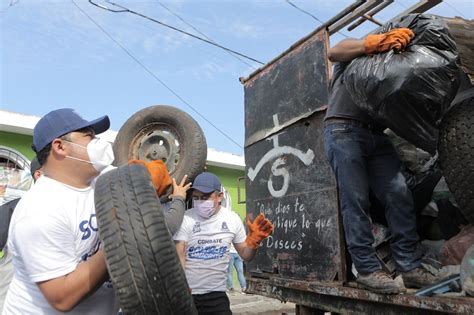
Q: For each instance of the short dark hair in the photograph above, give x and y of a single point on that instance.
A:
(43, 154)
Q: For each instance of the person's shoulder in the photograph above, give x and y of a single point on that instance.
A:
(9, 204)
(190, 215)
(39, 203)
(231, 214)
(46, 186)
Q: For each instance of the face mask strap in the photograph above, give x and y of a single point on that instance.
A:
(78, 159)
(74, 143)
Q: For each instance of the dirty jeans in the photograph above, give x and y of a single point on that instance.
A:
(238, 263)
(364, 160)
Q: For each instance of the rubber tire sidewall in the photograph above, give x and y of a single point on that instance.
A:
(456, 154)
(193, 145)
(140, 253)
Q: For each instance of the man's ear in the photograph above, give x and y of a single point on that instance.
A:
(57, 147)
(37, 175)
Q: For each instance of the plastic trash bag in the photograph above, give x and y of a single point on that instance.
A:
(409, 91)
(456, 247)
(467, 272)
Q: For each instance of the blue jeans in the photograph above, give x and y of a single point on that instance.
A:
(364, 160)
(238, 263)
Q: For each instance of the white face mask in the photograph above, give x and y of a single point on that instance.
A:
(205, 208)
(100, 153)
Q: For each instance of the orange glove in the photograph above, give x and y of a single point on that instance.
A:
(396, 39)
(159, 174)
(259, 230)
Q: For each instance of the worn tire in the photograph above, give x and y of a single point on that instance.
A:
(166, 133)
(456, 154)
(140, 254)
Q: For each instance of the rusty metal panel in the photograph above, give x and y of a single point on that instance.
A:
(347, 300)
(288, 177)
(292, 88)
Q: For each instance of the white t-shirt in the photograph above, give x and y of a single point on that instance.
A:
(207, 251)
(53, 229)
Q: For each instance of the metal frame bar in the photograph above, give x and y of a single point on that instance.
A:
(420, 7)
(360, 11)
(323, 26)
(239, 194)
(340, 299)
(370, 16)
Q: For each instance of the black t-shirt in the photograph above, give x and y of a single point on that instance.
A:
(340, 101)
(6, 211)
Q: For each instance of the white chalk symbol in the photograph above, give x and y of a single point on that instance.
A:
(278, 168)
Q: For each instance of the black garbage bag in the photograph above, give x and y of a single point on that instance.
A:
(409, 91)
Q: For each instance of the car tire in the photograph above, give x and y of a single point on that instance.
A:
(140, 253)
(166, 133)
(456, 152)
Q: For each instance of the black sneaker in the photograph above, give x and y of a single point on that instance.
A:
(418, 278)
(379, 282)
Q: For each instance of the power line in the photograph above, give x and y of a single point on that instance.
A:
(304, 11)
(197, 30)
(311, 15)
(452, 7)
(12, 3)
(126, 10)
(154, 76)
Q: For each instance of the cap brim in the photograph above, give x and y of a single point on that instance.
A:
(203, 189)
(99, 125)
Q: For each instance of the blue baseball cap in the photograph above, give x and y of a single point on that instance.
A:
(206, 183)
(62, 121)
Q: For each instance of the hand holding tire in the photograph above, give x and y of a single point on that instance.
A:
(179, 191)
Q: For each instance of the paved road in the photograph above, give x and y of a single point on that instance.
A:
(241, 304)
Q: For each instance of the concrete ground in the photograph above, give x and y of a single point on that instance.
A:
(242, 304)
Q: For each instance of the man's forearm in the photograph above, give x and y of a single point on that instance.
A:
(65, 292)
(347, 50)
(174, 216)
(181, 251)
(248, 253)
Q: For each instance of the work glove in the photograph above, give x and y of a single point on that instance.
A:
(259, 230)
(159, 174)
(396, 39)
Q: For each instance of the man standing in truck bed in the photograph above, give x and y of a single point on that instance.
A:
(364, 159)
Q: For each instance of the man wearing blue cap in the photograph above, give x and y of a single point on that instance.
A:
(204, 240)
(53, 232)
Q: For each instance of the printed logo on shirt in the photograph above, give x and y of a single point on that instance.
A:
(87, 227)
(92, 251)
(197, 227)
(224, 227)
(206, 252)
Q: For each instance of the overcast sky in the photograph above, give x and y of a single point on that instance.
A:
(53, 55)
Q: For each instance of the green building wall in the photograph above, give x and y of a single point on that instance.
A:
(18, 142)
